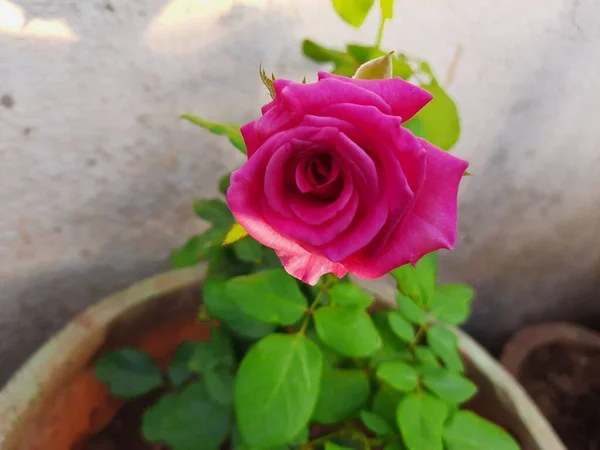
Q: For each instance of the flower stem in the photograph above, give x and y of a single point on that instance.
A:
(380, 32)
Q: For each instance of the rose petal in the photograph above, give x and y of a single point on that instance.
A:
(309, 267)
(404, 98)
(430, 225)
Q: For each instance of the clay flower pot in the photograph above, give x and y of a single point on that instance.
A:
(559, 365)
(54, 402)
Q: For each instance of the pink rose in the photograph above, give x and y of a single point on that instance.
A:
(333, 183)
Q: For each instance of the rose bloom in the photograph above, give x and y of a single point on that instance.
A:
(335, 184)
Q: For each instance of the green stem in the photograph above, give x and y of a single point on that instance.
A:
(310, 311)
(422, 330)
(380, 32)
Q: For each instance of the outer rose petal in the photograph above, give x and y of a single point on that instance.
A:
(404, 98)
(308, 267)
(429, 226)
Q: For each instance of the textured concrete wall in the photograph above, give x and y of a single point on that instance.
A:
(97, 173)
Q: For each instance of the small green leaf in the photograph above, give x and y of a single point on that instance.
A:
(185, 418)
(223, 262)
(353, 12)
(349, 294)
(398, 375)
(450, 386)
(440, 118)
(421, 420)
(277, 384)
(231, 130)
(343, 393)
(224, 183)
(178, 371)
(348, 330)
(214, 211)
(410, 310)
(318, 53)
(444, 344)
(196, 249)
(426, 357)
(418, 282)
(224, 308)
(467, 431)
(376, 69)
(268, 82)
(235, 233)
(300, 438)
(385, 403)
(387, 8)
(395, 445)
(392, 347)
(271, 296)
(248, 249)
(220, 382)
(401, 327)
(129, 373)
(452, 303)
(375, 423)
(217, 352)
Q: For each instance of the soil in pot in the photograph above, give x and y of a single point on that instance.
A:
(564, 380)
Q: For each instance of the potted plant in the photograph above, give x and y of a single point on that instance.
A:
(287, 350)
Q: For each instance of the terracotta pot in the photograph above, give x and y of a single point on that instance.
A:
(559, 377)
(54, 401)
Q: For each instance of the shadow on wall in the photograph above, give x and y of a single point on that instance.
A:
(120, 188)
(529, 227)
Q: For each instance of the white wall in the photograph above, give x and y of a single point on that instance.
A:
(97, 174)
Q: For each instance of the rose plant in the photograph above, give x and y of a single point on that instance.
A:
(340, 179)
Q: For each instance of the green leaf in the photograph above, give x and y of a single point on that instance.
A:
(224, 183)
(277, 384)
(415, 125)
(248, 249)
(343, 393)
(235, 233)
(214, 211)
(387, 8)
(178, 371)
(331, 358)
(223, 262)
(401, 327)
(231, 130)
(185, 418)
(392, 347)
(421, 420)
(318, 53)
(398, 375)
(332, 446)
(426, 357)
(452, 303)
(353, 12)
(467, 431)
(362, 53)
(300, 438)
(410, 310)
(375, 423)
(224, 308)
(450, 386)
(349, 294)
(444, 344)
(271, 296)
(385, 403)
(129, 373)
(440, 118)
(348, 330)
(217, 352)
(395, 445)
(220, 383)
(418, 282)
(196, 249)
